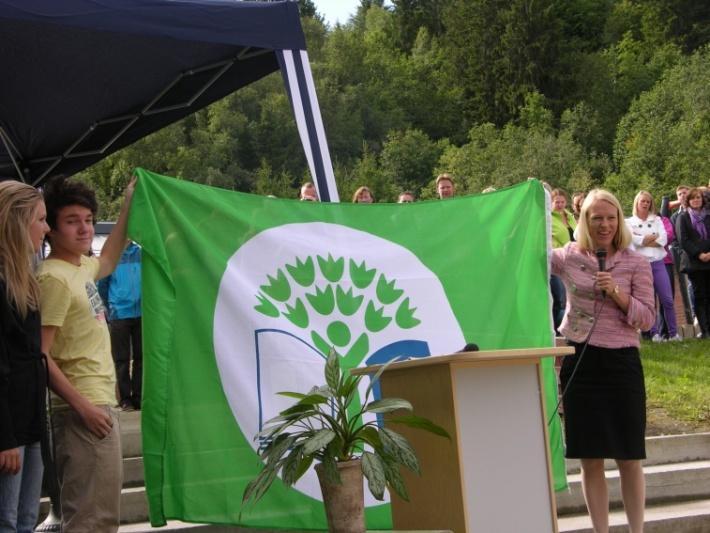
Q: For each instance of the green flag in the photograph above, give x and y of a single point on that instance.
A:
(243, 295)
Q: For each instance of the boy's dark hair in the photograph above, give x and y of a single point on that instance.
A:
(60, 192)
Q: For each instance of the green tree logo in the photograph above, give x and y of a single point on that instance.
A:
(338, 308)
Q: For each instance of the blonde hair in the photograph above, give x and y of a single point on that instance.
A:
(559, 192)
(622, 239)
(18, 203)
(307, 185)
(359, 190)
(444, 176)
(637, 199)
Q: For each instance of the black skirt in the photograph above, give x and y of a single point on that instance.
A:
(605, 406)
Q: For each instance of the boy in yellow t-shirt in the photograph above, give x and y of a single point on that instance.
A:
(82, 376)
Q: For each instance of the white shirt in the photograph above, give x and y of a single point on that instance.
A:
(640, 228)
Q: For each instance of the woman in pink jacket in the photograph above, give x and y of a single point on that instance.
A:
(605, 399)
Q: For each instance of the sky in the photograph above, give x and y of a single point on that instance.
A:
(336, 10)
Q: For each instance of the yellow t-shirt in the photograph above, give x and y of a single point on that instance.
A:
(82, 346)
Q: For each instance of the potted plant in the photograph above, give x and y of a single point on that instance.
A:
(326, 425)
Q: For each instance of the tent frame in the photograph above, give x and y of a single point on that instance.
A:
(152, 108)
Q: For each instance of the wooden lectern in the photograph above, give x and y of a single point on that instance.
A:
(494, 475)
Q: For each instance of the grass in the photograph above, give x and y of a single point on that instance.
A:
(677, 386)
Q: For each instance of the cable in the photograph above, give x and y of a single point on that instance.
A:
(579, 359)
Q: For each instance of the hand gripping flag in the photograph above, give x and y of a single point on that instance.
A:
(243, 295)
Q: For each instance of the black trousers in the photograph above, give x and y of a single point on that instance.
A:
(701, 290)
(126, 344)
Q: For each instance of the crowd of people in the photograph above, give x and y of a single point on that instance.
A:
(54, 333)
(445, 188)
(614, 276)
(670, 238)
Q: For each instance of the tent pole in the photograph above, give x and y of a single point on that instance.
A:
(11, 151)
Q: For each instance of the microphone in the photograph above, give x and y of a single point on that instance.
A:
(470, 347)
(601, 261)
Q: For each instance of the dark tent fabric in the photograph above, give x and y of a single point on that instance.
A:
(84, 78)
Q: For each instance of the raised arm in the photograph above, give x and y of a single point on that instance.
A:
(116, 242)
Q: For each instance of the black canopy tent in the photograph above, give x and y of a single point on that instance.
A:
(85, 78)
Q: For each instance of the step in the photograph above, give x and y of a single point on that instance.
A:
(133, 475)
(175, 525)
(682, 517)
(145, 527)
(665, 449)
(693, 517)
(131, 443)
(134, 505)
(664, 483)
(687, 477)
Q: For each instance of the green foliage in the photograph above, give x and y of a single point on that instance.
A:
(326, 425)
(490, 90)
(502, 157)
(664, 140)
(534, 115)
(502, 50)
(409, 158)
(307, 8)
(268, 183)
(414, 15)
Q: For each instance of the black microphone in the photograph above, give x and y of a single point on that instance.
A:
(470, 347)
(601, 261)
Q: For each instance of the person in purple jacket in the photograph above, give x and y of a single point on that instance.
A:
(605, 399)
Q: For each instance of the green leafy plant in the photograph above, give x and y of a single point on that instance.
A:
(322, 426)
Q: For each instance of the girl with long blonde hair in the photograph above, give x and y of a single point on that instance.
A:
(23, 226)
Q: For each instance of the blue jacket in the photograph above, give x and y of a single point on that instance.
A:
(121, 290)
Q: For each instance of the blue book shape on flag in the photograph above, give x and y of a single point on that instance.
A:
(285, 362)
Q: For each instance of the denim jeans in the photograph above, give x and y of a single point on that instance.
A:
(20, 493)
(559, 300)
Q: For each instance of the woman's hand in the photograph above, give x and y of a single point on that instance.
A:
(10, 462)
(650, 239)
(605, 282)
(611, 289)
(704, 257)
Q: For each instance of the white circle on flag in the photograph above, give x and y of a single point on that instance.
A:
(259, 355)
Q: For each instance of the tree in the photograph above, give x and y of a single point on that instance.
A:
(268, 183)
(411, 16)
(408, 159)
(366, 171)
(500, 157)
(664, 139)
(307, 8)
(685, 23)
(502, 50)
(609, 80)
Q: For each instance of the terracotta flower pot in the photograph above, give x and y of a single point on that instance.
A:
(344, 503)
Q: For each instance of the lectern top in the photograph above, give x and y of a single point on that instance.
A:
(471, 357)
